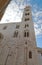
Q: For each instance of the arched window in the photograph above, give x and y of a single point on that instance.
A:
(26, 25)
(27, 19)
(26, 34)
(27, 14)
(30, 54)
(15, 34)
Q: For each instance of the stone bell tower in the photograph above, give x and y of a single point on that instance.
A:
(29, 36)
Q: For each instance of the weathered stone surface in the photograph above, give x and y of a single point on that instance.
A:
(15, 50)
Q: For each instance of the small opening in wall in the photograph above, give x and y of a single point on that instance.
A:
(26, 25)
(26, 13)
(30, 54)
(27, 19)
(15, 34)
(26, 34)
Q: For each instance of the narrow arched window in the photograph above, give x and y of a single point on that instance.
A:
(30, 54)
(15, 34)
(26, 14)
(26, 34)
(27, 19)
(26, 25)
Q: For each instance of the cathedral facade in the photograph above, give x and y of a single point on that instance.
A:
(18, 43)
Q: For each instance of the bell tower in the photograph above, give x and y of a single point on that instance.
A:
(29, 38)
(28, 22)
(27, 16)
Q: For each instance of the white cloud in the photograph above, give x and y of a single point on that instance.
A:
(35, 25)
(37, 14)
(39, 21)
(12, 13)
(38, 30)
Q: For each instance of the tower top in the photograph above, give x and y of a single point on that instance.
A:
(27, 7)
(27, 16)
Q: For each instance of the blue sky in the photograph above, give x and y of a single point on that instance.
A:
(14, 13)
